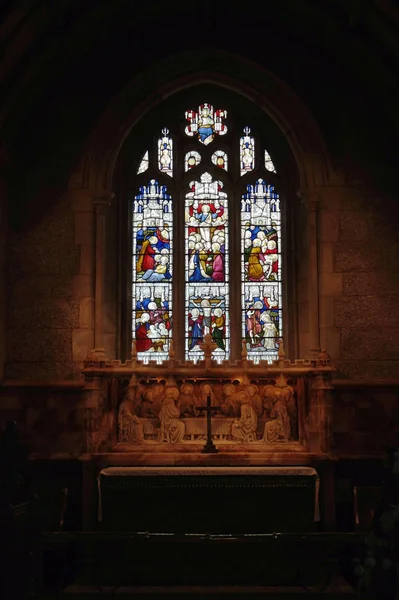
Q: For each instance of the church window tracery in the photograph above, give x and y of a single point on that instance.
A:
(218, 258)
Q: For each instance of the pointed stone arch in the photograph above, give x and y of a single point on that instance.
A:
(169, 76)
(95, 170)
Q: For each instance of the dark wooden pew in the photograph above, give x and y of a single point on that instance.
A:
(115, 559)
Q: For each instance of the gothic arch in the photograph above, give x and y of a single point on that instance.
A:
(95, 170)
(97, 162)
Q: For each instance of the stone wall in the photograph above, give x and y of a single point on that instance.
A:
(359, 282)
(365, 418)
(50, 418)
(49, 291)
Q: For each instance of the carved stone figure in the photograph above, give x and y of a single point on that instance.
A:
(158, 396)
(256, 400)
(229, 401)
(206, 390)
(187, 400)
(244, 429)
(289, 398)
(278, 428)
(129, 424)
(172, 430)
(267, 401)
(147, 408)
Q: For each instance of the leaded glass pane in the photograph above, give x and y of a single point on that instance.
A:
(165, 153)
(206, 123)
(191, 160)
(144, 164)
(207, 291)
(152, 272)
(269, 163)
(261, 271)
(219, 158)
(247, 152)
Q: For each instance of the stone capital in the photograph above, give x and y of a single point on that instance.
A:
(102, 200)
(310, 198)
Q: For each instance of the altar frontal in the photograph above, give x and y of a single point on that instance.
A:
(209, 500)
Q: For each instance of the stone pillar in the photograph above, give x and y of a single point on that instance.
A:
(100, 206)
(3, 241)
(313, 273)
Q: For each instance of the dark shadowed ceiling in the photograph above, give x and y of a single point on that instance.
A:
(62, 62)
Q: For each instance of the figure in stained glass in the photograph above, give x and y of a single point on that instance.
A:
(260, 253)
(152, 253)
(262, 318)
(218, 328)
(247, 152)
(191, 160)
(219, 158)
(206, 123)
(165, 153)
(260, 234)
(206, 313)
(152, 316)
(206, 213)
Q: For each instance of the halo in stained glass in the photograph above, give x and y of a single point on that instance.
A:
(269, 165)
(191, 160)
(165, 153)
(206, 123)
(261, 271)
(144, 164)
(219, 158)
(152, 272)
(247, 152)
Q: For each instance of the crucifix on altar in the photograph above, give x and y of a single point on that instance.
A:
(207, 346)
(209, 447)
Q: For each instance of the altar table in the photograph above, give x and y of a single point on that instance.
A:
(209, 499)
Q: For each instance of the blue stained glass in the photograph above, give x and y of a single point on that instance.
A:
(206, 123)
(152, 271)
(261, 271)
(206, 239)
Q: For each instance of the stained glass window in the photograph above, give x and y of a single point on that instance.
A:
(206, 123)
(152, 272)
(207, 286)
(219, 158)
(202, 208)
(144, 164)
(247, 152)
(261, 271)
(191, 160)
(269, 163)
(165, 153)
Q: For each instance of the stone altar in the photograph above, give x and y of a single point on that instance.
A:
(208, 500)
